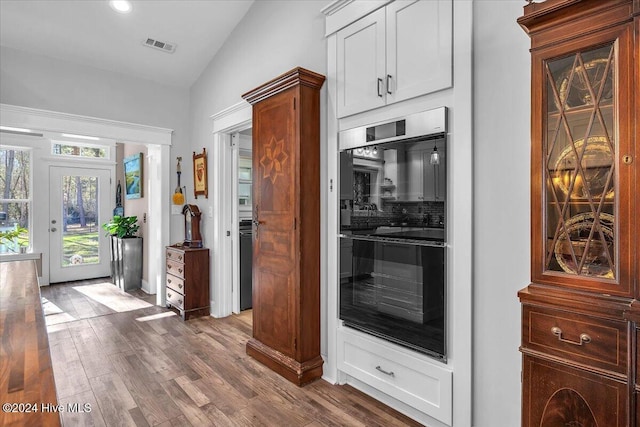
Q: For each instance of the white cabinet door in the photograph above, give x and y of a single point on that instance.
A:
(419, 48)
(361, 65)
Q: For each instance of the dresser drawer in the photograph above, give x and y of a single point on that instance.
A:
(596, 342)
(175, 299)
(175, 283)
(402, 374)
(175, 255)
(175, 268)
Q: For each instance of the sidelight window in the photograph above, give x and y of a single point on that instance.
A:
(15, 199)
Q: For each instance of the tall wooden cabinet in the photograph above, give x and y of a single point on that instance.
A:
(579, 314)
(286, 218)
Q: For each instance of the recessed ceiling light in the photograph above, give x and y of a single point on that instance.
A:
(71, 135)
(121, 6)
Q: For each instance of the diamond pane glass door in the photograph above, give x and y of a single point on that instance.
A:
(579, 173)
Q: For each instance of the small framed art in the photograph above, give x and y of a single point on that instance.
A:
(200, 174)
(133, 176)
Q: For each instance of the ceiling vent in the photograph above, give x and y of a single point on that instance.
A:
(157, 44)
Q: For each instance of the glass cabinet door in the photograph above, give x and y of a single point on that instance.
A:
(583, 237)
(580, 148)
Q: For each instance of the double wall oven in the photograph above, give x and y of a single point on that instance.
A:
(393, 230)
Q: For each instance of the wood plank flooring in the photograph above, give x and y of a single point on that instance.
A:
(148, 368)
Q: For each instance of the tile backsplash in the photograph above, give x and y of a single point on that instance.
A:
(420, 214)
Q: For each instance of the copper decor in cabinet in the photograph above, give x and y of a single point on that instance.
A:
(286, 217)
(187, 285)
(580, 314)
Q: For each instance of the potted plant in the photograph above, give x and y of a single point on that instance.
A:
(13, 238)
(126, 252)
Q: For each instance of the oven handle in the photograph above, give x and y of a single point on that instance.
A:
(410, 242)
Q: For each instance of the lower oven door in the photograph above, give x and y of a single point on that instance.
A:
(395, 289)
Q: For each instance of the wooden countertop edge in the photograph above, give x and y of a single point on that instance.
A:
(27, 383)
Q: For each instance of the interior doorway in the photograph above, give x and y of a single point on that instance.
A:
(228, 126)
(241, 179)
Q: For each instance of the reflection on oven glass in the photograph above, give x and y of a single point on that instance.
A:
(395, 291)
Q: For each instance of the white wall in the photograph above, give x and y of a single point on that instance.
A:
(501, 207)
(272, 38)
(46, 83)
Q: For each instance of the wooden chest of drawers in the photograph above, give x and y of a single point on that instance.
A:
(187, 285)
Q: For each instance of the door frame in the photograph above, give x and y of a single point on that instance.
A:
(224, 233)
(158, 142)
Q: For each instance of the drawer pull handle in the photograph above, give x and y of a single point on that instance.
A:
(180, 257)
(390, 373)
(180, 270)
(169, 280)
(180, 285)
(584, 338)
(168, 294)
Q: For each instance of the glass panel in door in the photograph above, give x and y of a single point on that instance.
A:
(79, 204)
(580, 149)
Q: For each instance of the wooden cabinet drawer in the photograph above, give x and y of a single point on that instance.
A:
(176, 283)
(563, 396)
(175, 268)
(596, 342)
(403, 375)
(175, 299)
(175, 255)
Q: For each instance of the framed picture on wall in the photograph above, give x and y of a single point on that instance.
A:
(133, 176)
(200, 174)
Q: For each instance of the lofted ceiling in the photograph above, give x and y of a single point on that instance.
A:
(89, 32)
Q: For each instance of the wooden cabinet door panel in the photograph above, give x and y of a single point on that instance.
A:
(274, 183)
(275, 308)
(555, 395)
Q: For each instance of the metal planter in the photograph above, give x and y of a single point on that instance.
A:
(126, 262)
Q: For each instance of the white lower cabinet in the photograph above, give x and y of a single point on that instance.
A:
(402, 374)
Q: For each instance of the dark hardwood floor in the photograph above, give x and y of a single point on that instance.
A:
(147, 367)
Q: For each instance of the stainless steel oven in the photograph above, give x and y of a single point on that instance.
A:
(393, 230)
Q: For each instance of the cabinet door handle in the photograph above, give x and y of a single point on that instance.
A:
(389, 84)
(390, 373)
(584, 338)
(379, 88)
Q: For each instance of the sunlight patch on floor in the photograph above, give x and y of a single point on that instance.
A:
(155, 316)
(109, 295)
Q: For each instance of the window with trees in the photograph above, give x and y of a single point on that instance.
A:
(15, 198)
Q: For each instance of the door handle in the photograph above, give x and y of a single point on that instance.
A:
(389, 84)
(379, 89)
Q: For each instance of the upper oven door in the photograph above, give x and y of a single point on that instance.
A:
(416, 125)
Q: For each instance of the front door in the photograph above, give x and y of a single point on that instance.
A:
(274, 248)
(79, 203)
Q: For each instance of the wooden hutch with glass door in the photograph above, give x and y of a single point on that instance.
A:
(580, 317)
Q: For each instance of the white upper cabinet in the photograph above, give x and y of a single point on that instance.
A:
(361, 64)
(398, 52)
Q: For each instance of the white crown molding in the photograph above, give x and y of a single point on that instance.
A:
(54, 121)
(340, 13)
(334, 6)
(232, 117)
